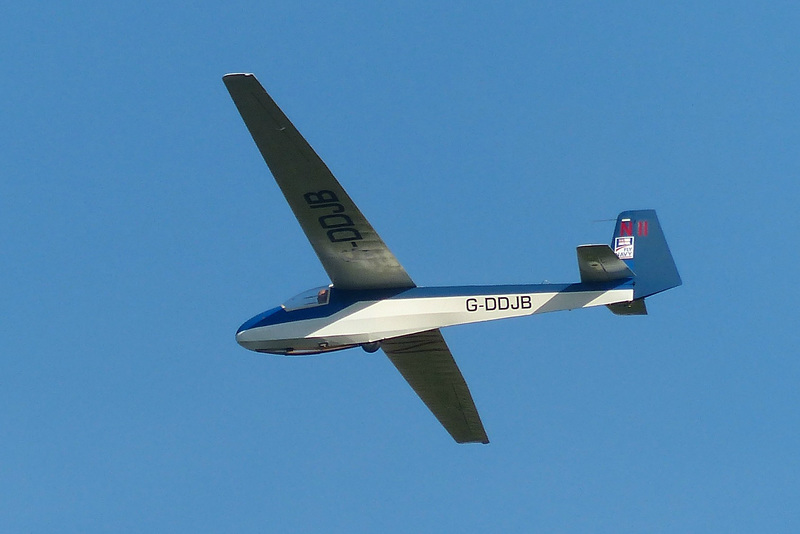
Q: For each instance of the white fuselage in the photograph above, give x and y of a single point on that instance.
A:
(416, 310)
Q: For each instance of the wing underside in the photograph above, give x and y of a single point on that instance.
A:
(426, 363)
(351, 251)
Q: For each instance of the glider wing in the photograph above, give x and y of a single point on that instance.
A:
(426, 363)
(351, 251)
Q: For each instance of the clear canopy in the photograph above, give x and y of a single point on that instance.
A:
(318, 296)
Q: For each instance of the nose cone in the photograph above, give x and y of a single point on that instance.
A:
(248, 333)
(244, 336)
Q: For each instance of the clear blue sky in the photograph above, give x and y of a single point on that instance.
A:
(140, 227)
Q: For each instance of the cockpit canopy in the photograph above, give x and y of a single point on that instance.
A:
(318, 296)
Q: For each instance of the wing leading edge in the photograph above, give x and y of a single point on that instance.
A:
(351, 251)
(426, 363)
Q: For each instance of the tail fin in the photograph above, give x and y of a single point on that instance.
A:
(640, 243)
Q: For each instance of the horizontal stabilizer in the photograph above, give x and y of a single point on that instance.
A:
(598, 263)
(633, 307)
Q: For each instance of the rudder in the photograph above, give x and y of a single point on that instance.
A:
(640, 243)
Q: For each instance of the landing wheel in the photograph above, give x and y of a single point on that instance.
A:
(371, 347)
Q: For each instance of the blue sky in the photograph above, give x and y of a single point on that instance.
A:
(140, 227)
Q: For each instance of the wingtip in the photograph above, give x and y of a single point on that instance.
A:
(237, 75)
(484, 441)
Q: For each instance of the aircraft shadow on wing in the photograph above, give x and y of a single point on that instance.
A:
(373, 303)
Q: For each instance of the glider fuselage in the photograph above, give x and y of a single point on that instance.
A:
(350, 318)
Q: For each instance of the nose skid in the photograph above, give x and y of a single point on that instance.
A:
(295, 332)
(251, 340)
(289, 347)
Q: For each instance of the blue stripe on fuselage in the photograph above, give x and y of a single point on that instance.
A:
(341, 299)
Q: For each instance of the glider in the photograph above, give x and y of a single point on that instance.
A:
(373, 303)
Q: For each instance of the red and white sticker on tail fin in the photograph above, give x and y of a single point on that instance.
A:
(623, 247)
